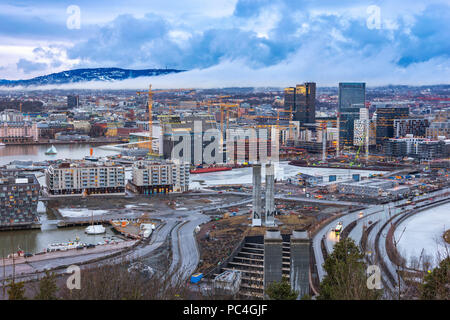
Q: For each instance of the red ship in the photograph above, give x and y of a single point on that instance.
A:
(211, 169)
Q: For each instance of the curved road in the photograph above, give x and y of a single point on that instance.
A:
(374, 213)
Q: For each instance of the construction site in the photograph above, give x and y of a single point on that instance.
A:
(273, 236)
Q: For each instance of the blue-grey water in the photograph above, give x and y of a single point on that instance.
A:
(37, 240)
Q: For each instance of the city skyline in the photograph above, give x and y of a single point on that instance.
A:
(231, 43)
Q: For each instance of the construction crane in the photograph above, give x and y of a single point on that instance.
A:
(224, 110)
(324, 141)
(150, 107)
(150, 114)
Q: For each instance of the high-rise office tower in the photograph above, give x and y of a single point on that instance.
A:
(72, 101)
(305, 103)
(302, 101)
(385, 121)
(352, 97)
(289, 98)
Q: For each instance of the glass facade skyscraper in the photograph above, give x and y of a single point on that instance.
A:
(385, 121)
(302, 101)
(352, 97)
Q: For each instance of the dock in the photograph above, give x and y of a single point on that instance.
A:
(78, 223)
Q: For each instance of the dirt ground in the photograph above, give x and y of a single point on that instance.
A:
(160, 204)
(218, 238)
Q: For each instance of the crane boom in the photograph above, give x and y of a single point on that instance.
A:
(150, 115)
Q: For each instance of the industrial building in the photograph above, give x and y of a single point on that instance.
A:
(372, 188)
(152, 177)
(19, 195)
(303, 179)
(85, 178)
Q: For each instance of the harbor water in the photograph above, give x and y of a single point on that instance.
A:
(37, 152)
(38, 240)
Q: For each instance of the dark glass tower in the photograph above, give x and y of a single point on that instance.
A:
(352, 97)
(385, 121)
(305, 103)
(302, 101)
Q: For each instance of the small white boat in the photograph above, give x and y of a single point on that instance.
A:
(63, 246)
(95, 229)
(51, 150)
(2, 144)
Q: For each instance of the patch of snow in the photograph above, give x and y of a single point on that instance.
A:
(424, 231)
(80, 212)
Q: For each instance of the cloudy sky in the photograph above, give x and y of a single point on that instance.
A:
(232, 42)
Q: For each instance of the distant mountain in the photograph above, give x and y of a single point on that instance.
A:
(92, 74)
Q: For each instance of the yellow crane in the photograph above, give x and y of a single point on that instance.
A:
(150, 93)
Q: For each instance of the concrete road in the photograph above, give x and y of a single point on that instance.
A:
(373, 213)
(185, 252)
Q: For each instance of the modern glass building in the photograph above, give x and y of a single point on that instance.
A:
(352, 97)
(302, 101)
(385, 121)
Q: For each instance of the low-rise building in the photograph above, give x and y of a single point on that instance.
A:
(14, 128)
(85, 178)
(19, 196)
(303, 179)
(370, 187)
(152, 177)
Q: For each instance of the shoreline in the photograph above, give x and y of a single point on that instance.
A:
(37, 143)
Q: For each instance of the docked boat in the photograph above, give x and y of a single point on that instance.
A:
(95, 229)
(64, 246)
(2, 144)
(51, 150)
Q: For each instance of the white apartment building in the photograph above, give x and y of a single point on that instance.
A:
(85, 178)
(152, 177)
